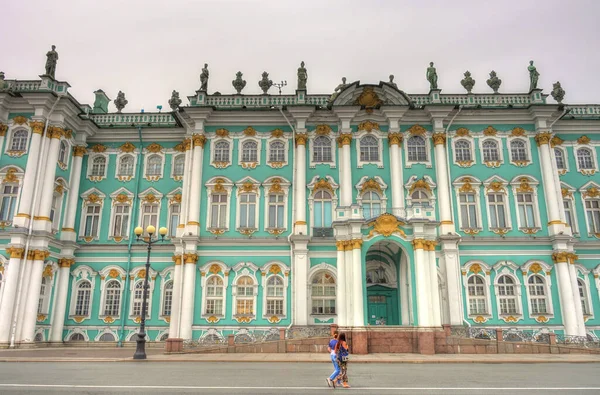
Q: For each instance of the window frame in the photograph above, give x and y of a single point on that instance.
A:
(148, 156)
(272, 270)
(526, 149)
(249, 163)
(221, 164)
(175, 158)
(11, 141)
(238, 297)
(482, 270)
(516, 289)
(470, 150)
(122, 156)
(276, 164)
(90, 166)
(313, 162)
(565, 159)
(14, 199)
(517, 188)
(45, 297)
(80, 274)
(313, 298)
(360, 145)
(322, 184)
(98, 201)
(133, 300)
(218, 186)
(593, 158)
(465, 186)
(276, 185)
(64, 151)
(502, 190)
(544, 274)
(427, 146)
(209, 270)
(499, 148)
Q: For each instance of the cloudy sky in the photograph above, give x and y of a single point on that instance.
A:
(148, 48)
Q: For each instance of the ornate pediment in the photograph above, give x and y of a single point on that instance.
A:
(371, 96)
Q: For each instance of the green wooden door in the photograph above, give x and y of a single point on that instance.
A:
(382, 302)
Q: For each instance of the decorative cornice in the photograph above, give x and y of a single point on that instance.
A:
(370, 184)
(323, 183)
(490, 131)
(517, 132)
(37, 127)
(55, 132)
(368, 126)
(249, 131)
(556, 141)
(20, 120)
(66, 262)
(583, 140)
(222, 132)
(323, 130)
(462, 132)
(154, 148)
(386, 225)
(99, 148)
(417, 130)
(127, 147)
(277, 133)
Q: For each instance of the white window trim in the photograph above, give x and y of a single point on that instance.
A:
(471, 143)
(379, 136)
(312, 163)
(427, 137)
(510, 269)
(173, 157)
(492, 164)
(244, 269)
(249, 164)
(484, 272)
(213, 142)
(565, 158)
(584, 198)
(487, 183)
(571, 197)
(9, 140)
(167, 275)
(106, 330)
(322, 267)
(146, 199)
(269, 184)
(432, 194)
(64, 165)
(133, 280)
(361, 190)
(18, 182)
(115, 202)
(49, 286)
(205, 273)
(120, 156)
(106, 276)
(56, 221)
(82, 273)
(240, 190)
(596, 274)
(545, 273)
(314, 183)
(86, 202)
(90, 163)
(286, 147)
(525, 139)
(77, 331)
(214, 186)
(583, 274)
(275, 269)
(147, 156)
(172, 201)
(533, 183)
(461, 185)
(586, 172)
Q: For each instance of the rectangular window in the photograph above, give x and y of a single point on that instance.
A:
(174, 219)
(497, 210)
(149, 215)
(214, 306)
(276, 210)
(218, 211)
(82, 303)
(468, 210)
(9, 202)
(477, 303)
(247, 210)
(275, 307)
(92, 218)
(526, 210)
(121, 220)
(245, 307)
(592, 208)
(112, 303)
(570, 214)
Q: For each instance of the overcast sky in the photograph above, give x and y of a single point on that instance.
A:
(148, 48)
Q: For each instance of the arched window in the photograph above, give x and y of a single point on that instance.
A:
(245, 296)
(179, 165)
(417, 149)
(62, 153)
(507, 295)
(462, 150)
(167, 299)
(82, 300)
(420, 198)
(490, 151)
(19, 140)
(276, 151)
(537, 295)
(126, 165)
(138, 298)
(221, 151)
(250, 151)
(218, 211)
(560, 159)
(164, 337)
(154, 165)
(322, 149)
(585, 158)
(323, 294)
(10, 193)
(44, 298)
(214, 296)
(107, 337)
(583, 297)
(276, 210)
(77, 337)
(518, 151)
(247, 213)
(477, 295)
(55, 209)
(369, 149)
(275, 296)
(98, 166)
(323, 207)
(112, 298)
(371, 204)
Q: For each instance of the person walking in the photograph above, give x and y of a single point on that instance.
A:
(341, 352)
(331, 380)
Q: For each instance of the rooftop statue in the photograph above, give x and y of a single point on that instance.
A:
(265, 83)
(204, 78)
(468, 82)
(3, 84)
(533, 76)
(558, 93)
(238, 83)
(51, 59)
(175, 101)
(494, 82)
(302, 77)
(392, 83)
(337, 91)
(120, 102)
(432, 76)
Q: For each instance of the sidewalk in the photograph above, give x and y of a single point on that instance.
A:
(157, 355)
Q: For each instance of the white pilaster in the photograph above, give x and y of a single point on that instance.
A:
(33, 297)
(346, 184)
(300, 190)
(10, 292)
(185, 188)
(451, 265)
(396, 173)
(300, 272)
(24, 213)
(576, 300)
(565, 292)
(174, 327)
(348, 282)
(421, 269)
(68, 230)
(60, 302)
(187, 301)
(341, 286)
(555, 223)
(441, 171)
(358, 279)
(24, 292)
(42, 220)
(434, 285)
(194, 207)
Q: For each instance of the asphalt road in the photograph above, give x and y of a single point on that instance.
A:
(294, 378)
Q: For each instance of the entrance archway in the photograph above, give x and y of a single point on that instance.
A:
(387, 301)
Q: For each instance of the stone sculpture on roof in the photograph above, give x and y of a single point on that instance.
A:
(238, 83)
(204, 78)
(51, 59)
(175, 101)
(265, 83)
(533, 76)
(558, 93)
(302, 77)
(468, 82)
(494, 82)
(432, 76)
(391, 82)
(337, 91)
(120, 101)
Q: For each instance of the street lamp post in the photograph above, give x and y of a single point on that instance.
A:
(140, 350)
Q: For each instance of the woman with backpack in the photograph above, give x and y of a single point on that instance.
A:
(341, 351)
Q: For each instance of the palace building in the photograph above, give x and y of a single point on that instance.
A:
(366, 207)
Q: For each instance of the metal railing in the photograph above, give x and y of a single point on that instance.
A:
(322, 232)
(524, 335)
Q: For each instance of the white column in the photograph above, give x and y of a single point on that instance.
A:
(543, 140)
(434, 287)
(341, 286)
(300, 190)
(451, 265)
(48, 182)
(567, 304)
(349, 283)
(3, 129)
(71, 208)
(576, 298)
(357, 283)
(194, 207)
(404, 288)
(60, 301)
(24, 291)
(10, 292)
(174, 328)
(185, 188)
(187, 302)
(441, 171)
(397, 177)
(346, 182)
(33, 296)
(30, 176)
(300, 271)
(423, 300)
